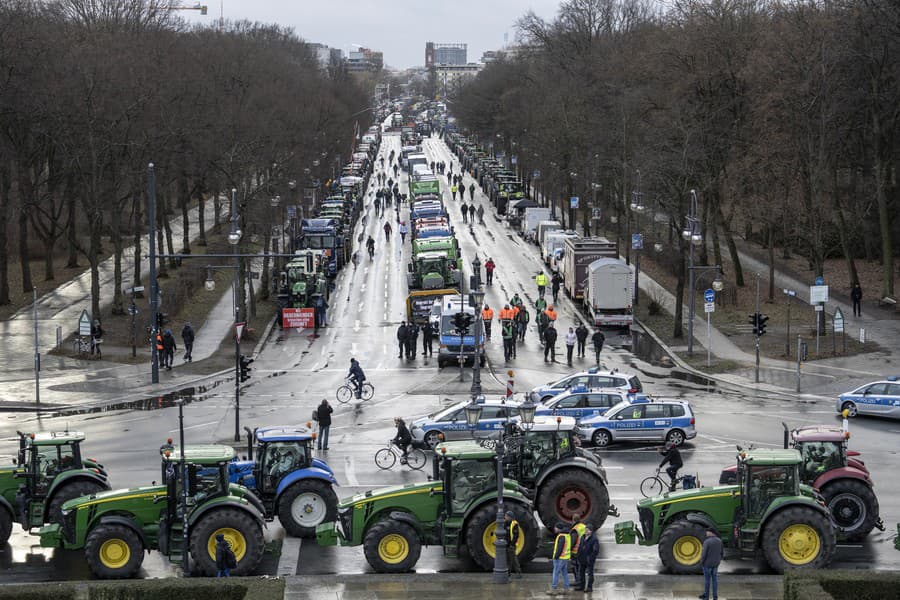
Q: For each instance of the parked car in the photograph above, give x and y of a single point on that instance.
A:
(592, 379)
(878, 398)
(643, 419)
(582, 403)
(451, 422)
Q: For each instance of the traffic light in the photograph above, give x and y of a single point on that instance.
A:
(754, 320)
(245, 368)
(462, 321)
(761, 324)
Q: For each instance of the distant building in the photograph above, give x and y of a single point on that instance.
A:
(326, 55)
(451, 77)
(365, 60)
(445, 54)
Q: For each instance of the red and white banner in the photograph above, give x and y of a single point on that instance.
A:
(298, 318)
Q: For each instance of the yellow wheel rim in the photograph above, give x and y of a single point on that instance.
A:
(115, 553)
(799, 544)
(488, 537)
(235, 539)
(393, 548)
(687, 550)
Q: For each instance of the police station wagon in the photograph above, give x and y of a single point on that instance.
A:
(452, 423)
(593, 379)
(642, 419)
(582, 403)
(879, 398)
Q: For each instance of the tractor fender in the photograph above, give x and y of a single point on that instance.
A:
(405, 517)
(247, 494)
(841, 473)
(226, 502)
(126, 522)
(321, 464)
(702, 519)
(773, 510)
(65, 479)
(573, 462)
(307, 473)
(488, 499)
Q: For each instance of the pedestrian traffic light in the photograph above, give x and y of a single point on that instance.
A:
(754, 320)
(761, 324)
(245, 368)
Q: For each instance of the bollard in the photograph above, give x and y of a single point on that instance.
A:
(510, 384)
(58, 336)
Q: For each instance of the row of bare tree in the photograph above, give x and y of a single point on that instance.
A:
(91, 91)
(782, 115)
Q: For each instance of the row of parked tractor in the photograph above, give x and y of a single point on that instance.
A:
(788, 506)
(500, 183)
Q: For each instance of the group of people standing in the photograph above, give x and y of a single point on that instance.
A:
(575, 545)
(166, 347)
(407, 339)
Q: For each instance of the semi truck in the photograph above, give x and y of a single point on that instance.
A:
(608, 293)
(579, 254)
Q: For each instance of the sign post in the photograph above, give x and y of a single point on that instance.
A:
(709, 306)
(787, 340)
(838, 326)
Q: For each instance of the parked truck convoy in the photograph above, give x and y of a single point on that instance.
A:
(608, 293)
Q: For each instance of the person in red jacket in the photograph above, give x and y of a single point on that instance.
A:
(489, 267)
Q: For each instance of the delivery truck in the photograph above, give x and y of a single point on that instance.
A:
(578, 254)
(608, 293)
(530, 220)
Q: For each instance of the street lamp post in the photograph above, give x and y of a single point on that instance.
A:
(154, 288)
(717, 286)
(234, 238)
(637, 206)
(478, 296)
(694, 237)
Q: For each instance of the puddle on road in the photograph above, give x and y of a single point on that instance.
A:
(187, 395)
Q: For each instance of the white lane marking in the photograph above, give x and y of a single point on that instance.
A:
(195, 426)
(709, 437)
(356, 328)
(353, 346)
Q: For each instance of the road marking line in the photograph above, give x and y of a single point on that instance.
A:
(195, 426)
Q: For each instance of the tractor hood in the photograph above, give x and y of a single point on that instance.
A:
(146, 493)
(688, 495)
(392, 491)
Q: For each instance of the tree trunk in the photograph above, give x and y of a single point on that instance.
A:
(264, 286)
(716, 241)
(167, 227)
(843, 232)
(201, 213)
(732, 249)
(217, 209)
(5, 186)
(183, 202)
(49, 245)
(770, 229)
(24, 254)
(882, 179)
(161, 270)
(118, 305)
(679, 291)
(137, 225)
(94, 260)
(71, 232)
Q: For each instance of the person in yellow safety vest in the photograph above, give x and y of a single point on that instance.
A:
(578, 529)
(487, 315)
(541, 280)
(512, 541)
(562, 552)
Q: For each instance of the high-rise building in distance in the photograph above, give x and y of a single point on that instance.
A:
(445, 54)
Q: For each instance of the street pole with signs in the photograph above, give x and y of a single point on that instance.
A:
(709, 306)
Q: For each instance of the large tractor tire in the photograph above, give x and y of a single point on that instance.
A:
(305, 505)
(481, 529)
(680, 547)
(568, 492)
(798, 537)
(75, 489)
(392, 546)
(241, 530)
(854, 507)
(114, 551)
(6, 524)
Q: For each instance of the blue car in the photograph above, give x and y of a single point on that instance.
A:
(642, 419)
(879, 398)
(593, 379)
(582, 403)
(452, 423)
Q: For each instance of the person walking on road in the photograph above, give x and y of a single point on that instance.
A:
(597, 339)
(401, 338)
(489, 267)
(542, 322)
(487, 316)
(512, 540)
(551, 313)
(480, 213)
(550, 342)
(508, 328)
(96, 338)
(541, 280)
(581, 333)
(555, 283)
(472, 213)
(403, 231)
(412, 340)
(562, 552)
(540, 305)
(387, 231)
(453, 193)
(378, 205)
(522, 318)
(323, 416)
(587, 556)
(856, 296)
(427, 339)
(710, 558)
(471, 191)
(465, 212)
(187, 337)
(169, 349)
(571, 338)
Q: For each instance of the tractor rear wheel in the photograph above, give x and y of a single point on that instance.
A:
(854, 507)
(305, 505)
(680, 547)
(6, 524)
(481, 529)
(75, 489)
(113, 551)
(568, 492)
(798, 537)
(241, 530)
(392, 546)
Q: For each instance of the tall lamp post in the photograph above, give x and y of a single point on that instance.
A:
(637, 206)
(478, 296)
(234, 238)
(154, 287)
(693, 237)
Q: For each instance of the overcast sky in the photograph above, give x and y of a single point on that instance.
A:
(399, 28)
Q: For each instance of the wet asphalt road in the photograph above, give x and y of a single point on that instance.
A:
(295, 371)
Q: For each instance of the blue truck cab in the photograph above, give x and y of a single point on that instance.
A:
(327, 235)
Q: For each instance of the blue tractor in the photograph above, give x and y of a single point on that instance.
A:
(291, 482)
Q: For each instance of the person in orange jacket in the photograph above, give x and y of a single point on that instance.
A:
(551, 313)
(487, 315)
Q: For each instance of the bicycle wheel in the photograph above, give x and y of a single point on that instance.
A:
(415, 458)
(368, 390)
(652, 486)
(385, 459)
(344, 393)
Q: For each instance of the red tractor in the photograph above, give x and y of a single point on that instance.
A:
(837, 473)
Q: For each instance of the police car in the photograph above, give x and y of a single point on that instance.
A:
(642, 419)
(452, 422)
(582, 403)
(593, 379)
(879, 398)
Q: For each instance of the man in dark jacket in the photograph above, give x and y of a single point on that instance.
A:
(323, 416)
(710, 558)
(856, 296)
(581, 333)
(412, 339)
(550, 342)
(672, 456)
(403, 438)
(554, 285)
(225, 558)
(598, 338)
(587, 555)
(187, 336)
(427, 338)
(169, 348)
(401, 338)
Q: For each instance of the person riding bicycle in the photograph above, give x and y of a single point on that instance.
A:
(672, 456)
(370, 246)
(356, 376)
(403, 439)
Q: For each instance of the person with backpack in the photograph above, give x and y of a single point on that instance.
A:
(169, 348)
(225, 558)
(323, 417)
(543, 321)
(555, 283)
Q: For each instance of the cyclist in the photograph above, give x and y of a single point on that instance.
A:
(403, 438)
(672, 456)
(356, 376)
(370, 246)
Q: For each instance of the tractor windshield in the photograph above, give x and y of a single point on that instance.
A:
(471, 478)
(280, 459)
(819, 457)
(768, 482)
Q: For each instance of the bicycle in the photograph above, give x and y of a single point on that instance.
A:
(655, 486)
(385, 458)
(347, 391)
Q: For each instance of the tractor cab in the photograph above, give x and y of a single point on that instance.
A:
(206, 471)
(822, 448)
(548, 440)
(764, 476)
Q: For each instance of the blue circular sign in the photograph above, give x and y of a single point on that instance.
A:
(820, 280)
(709, 296)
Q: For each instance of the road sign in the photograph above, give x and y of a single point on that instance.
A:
(838, 321)
(292, 212)
(133, 310)
(709, 307)
(709, 295)
(536, 174)
(134, 290)
(862, 335)
(820, 280)
(819, 308)
(513, 159)
(84, 323)
(637, 241)
(238, 330)
(818, 293)
(573, 202)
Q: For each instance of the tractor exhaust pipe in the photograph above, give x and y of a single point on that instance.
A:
(787, 434)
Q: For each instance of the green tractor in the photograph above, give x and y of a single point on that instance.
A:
(769, 513)
(304, 277)
(48, 471)
(456, 509)
(436, 244)
(196, 503)
(433, 270)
